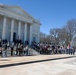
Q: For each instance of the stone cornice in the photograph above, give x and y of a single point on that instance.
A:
(36, 22)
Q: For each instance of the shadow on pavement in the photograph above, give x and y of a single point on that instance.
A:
(30, 62)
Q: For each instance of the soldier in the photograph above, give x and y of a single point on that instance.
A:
(4, 50)
(12, 47)
(26, 50)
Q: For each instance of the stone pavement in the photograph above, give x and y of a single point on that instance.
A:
(14, 61)
(55, 67)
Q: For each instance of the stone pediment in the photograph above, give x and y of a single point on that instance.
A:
(20, 11)
(17, 10)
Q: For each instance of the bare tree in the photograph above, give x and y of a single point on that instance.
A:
(55, 34)
(42, 37)
(65, 34)
(50, 39)
(71, 29)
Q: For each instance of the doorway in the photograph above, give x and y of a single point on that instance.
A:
(34, 39)
(14, 37)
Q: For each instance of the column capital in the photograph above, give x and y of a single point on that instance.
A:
(31, 23)
(19, 22)
(5, 16)
(12, 19)
(25, 22)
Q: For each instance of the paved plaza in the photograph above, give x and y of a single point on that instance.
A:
(62, 65)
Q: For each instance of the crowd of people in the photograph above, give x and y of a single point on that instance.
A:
(20, 49)
(52, 49)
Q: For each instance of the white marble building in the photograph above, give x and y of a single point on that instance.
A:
(15, 23)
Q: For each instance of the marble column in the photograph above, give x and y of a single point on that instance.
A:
(12, 30)
(4, 28)
(25, 32)
(39, 34)
(19, 30)
(30, 40)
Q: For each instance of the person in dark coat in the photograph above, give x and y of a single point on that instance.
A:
(12, 47)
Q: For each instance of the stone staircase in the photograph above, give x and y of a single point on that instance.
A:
(33, 52)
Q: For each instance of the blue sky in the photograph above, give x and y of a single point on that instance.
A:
(52, 13)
